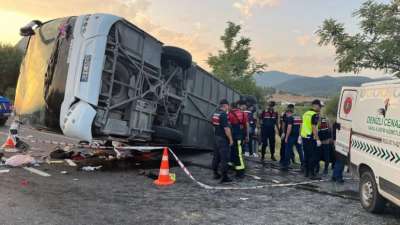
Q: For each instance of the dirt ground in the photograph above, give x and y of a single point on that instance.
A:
(127, 195)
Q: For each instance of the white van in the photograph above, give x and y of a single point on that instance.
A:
(369, 136)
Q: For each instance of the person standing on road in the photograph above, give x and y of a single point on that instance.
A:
(224, 141)
(292, 131)
(282, 134)
(325, 136)
(250, 145)
(337, 175)
(311, 140)
(238, 121)
(269, 121)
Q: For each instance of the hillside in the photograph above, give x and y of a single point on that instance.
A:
(273, 78)
(309, 86)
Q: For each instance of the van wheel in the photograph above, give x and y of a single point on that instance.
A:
(180, 56)
(370, 198)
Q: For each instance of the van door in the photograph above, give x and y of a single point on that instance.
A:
(346, 106)
(388, 163)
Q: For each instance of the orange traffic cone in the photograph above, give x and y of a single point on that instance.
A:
(10, 143)
(164, 178)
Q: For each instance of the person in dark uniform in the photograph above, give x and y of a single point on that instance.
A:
(291, 137)
(337, 175)
(311, 140)
(224, 141)
(282, 133)
(325, 136)
(250, 145)
(269, 121)
(238, 120)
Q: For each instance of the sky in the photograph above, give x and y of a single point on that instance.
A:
(282, 31)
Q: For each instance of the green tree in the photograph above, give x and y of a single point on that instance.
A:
(376, 46)
(331, 107)
(10, 61)
(234, 64)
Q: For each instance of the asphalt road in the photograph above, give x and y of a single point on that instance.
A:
(127, 195)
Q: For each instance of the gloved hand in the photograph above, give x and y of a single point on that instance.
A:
(299, 140)
(283, 136)
(319, 143)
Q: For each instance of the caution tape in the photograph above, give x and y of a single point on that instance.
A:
(209, 187)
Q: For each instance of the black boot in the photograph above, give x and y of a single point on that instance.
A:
(240, 174)
(273, 158)
(217, 176)
(225, 179)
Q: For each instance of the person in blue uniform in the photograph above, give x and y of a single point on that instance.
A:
(291, 137)
(224, 141)
(269, 123)
(252, 121)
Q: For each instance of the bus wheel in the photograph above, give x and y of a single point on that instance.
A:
(370, 198)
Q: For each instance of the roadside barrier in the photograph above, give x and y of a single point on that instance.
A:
(164, 179)
(9, 144)
(208, 187)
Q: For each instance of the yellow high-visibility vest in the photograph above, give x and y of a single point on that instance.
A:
(306, 128)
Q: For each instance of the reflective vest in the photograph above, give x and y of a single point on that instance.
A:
(306, 129)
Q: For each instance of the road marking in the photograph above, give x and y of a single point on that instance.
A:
(36, 171)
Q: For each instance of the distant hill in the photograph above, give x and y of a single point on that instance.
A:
(273, 78)
(324, 86)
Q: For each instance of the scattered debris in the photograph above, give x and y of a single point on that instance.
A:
(244, 199)
(75, 179)
(90, 168)
(64, 172)
(20, 160)
(4, 171)
(276, 181)
(70, 162)
(59, 153)
(36, 171)
(54, 161)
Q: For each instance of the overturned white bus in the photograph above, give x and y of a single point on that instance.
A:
(99, 76)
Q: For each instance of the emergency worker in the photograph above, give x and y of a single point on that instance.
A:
(238, 121)
(252, 122)
(325, 136)
(224, 141)
(269, 121)
(311, 140)
(282, 134)
(291, 138)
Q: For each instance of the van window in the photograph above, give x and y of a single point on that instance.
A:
(347, 102)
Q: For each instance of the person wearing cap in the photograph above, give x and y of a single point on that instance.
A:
(238, 120)
(224, 141)
(310, 139)
(291, 137)
(269, 121)
(252, 124)
(325, 136)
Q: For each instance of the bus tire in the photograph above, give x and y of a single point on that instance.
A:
(168, 134)
(370, 198)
